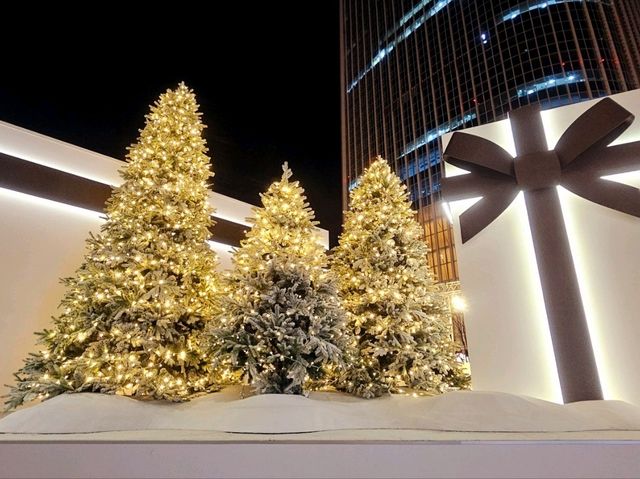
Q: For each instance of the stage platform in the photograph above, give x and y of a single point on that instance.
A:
(332, 454)
(460, 434)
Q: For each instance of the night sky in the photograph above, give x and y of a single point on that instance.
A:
(266, 75)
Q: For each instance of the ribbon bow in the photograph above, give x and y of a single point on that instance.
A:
(579, 159)
(577, 163)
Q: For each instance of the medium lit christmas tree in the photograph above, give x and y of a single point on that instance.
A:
(133, 314)
(282, 322)
(401, 336)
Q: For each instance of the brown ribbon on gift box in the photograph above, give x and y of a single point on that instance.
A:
(579, 160)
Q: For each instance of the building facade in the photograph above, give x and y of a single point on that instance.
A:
(413, 70)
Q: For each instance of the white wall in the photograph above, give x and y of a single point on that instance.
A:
(42, 241)
(509, 341)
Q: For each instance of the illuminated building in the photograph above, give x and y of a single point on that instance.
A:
(415, 70)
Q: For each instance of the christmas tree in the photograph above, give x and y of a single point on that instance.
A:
(282, 323)
(132, 318)
(398, 321)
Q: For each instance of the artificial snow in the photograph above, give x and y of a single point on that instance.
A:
(226, 411)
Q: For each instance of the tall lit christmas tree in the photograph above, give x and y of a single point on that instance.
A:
(400, 332)
(132, 318)
(282, 323)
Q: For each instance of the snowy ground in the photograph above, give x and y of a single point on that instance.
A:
(461, 434)
(329, 416)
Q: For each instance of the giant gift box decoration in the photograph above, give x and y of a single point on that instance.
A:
(577, 163)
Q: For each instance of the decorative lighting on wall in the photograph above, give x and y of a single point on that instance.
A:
(459, 304)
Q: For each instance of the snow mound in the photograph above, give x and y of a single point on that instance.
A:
(463, 411)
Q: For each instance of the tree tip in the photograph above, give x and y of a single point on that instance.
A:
(181, 89)
(286, 171)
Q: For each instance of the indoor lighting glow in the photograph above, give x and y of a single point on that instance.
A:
(401, 35)
(420, 164)
(437, 132)
(411, 13)
(530, 6)
(549, 82)
(458, 303)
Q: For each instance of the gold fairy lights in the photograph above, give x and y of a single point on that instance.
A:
(133, 314)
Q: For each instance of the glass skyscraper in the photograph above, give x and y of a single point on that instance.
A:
(413, 70)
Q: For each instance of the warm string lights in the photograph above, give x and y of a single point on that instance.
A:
(400, 334)
(146, 315)
(133, 315)
(281, 322)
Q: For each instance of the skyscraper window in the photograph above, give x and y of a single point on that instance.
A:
(413, 70)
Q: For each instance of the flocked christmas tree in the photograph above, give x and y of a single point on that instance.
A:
(398, 321)
(132, 318)
(282, 322)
